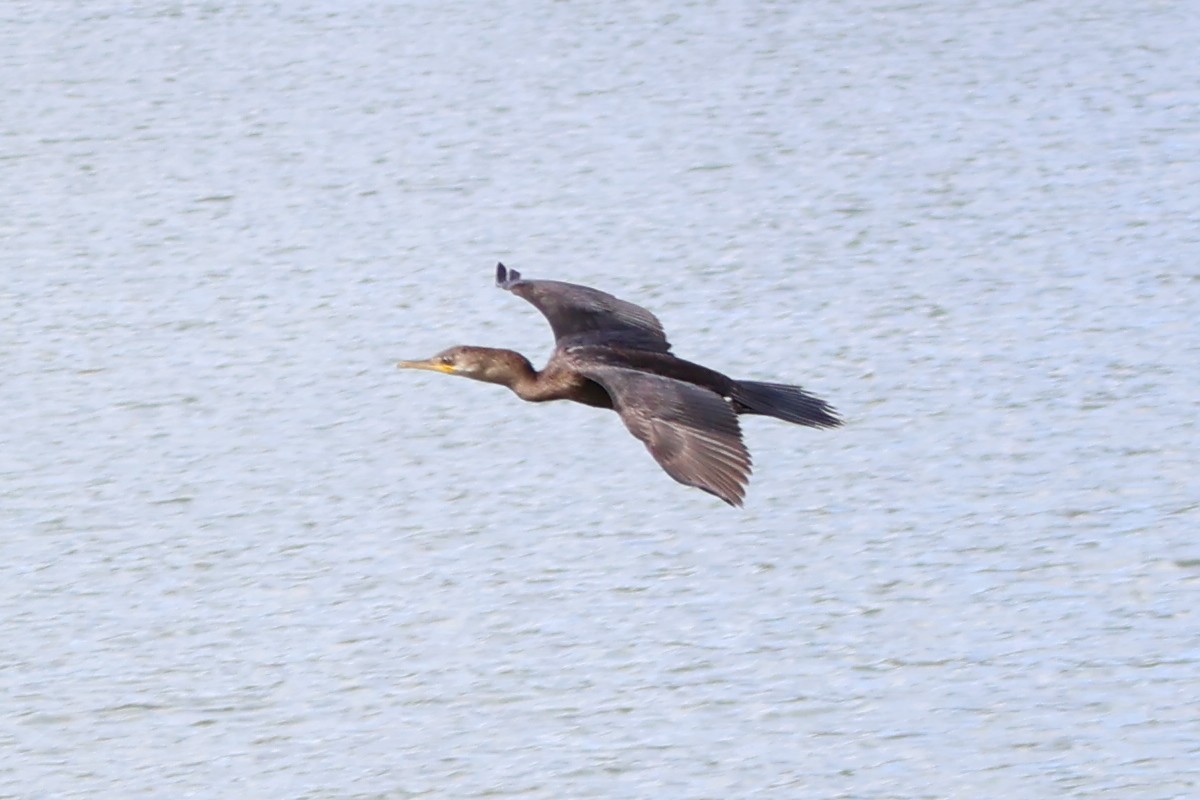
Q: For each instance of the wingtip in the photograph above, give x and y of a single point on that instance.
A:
(506, 277)
(734, 497)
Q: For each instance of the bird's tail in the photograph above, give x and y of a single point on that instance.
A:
(789, 403)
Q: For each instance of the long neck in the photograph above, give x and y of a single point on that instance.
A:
(520, 376)
(511, 369)
(507, 368)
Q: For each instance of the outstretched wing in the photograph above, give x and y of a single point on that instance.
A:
(691, 432)
(580, 315)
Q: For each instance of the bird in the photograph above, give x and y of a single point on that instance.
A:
(612, 354)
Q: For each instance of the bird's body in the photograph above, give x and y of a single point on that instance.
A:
(613, 354)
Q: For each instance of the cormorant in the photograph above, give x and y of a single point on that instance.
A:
(613, 354)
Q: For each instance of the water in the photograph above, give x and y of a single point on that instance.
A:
(244, 556)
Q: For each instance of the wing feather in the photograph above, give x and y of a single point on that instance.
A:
(580, 315)
(691, 432)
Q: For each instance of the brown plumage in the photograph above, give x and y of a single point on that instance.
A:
(613, 354)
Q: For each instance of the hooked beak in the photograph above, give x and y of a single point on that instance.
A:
(427, 364)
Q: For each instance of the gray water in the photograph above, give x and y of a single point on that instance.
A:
(243, 556)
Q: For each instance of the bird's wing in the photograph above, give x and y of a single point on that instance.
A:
(580, 315)
(691, 432)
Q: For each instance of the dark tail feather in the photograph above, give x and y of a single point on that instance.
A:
(789, 403)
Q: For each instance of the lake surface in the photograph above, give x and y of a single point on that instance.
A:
(243, 556)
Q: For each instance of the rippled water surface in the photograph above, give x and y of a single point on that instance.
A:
(242, 556)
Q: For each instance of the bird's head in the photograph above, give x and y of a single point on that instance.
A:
(486, 364)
